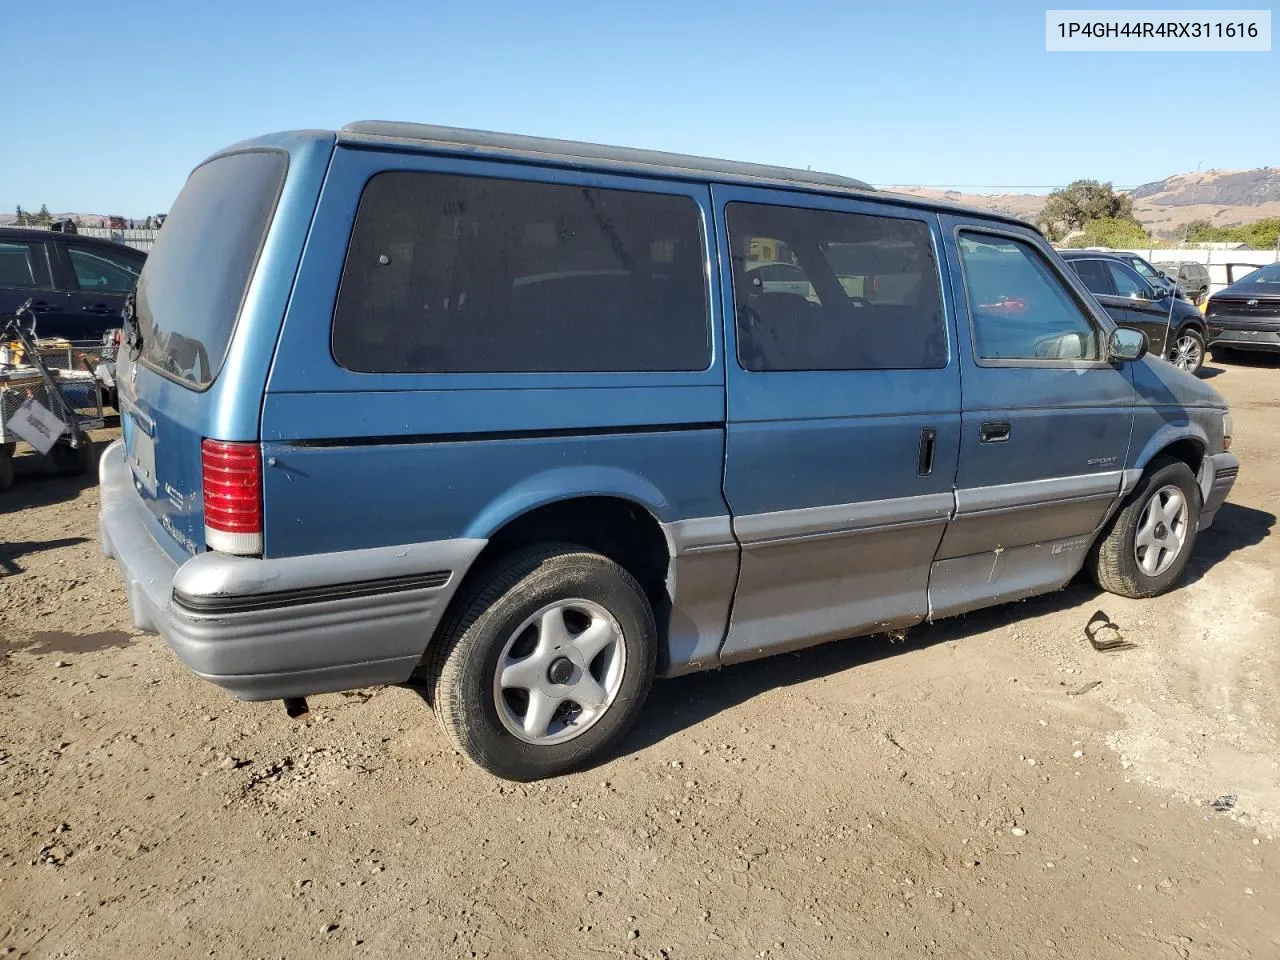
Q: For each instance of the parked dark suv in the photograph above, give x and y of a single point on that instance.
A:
(1190, 275)
(1174, 327)
(77, 284)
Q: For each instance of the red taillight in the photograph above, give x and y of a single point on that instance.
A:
(232, 474)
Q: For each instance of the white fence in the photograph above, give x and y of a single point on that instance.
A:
(1216, 260)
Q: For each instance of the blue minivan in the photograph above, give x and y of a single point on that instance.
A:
(519, 422)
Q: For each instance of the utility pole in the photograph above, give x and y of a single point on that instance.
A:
(1195, 189)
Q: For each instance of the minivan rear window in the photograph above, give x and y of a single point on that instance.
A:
(459, 274)
(194, 281)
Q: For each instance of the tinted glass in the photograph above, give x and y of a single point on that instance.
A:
(1094, 275)
(104, 271)
(1263, 276)
(22, 265)
(190, 290)
(1127, 282)
(1019, 307)
(456, 274)
(862, 292)
(1145, 269)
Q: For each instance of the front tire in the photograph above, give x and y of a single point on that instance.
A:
(544, 663)
(1145, 547)
(1188, 349)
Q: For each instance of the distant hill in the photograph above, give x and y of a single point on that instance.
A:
(1223, 197)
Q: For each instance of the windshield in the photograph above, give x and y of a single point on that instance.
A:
(191, 288)
(1268, 276)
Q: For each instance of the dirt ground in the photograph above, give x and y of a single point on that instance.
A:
(991, 787)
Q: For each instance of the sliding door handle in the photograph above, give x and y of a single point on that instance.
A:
(993, 432)
(928, 440)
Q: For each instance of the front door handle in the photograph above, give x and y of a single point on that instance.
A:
(928, 439)
(994, 432)
(101, 309)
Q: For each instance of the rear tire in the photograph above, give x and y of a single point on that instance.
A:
(496, 632)
(1119, 562)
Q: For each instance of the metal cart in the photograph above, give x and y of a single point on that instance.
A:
(60, 377)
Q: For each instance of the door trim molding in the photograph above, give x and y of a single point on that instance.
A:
(843, 518)
(975, 501)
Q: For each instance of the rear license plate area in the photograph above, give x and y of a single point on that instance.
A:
(140, 453)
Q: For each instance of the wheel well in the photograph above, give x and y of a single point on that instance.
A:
(621, 530)
(1188, 450)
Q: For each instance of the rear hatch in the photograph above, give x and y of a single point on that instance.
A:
(188, 304)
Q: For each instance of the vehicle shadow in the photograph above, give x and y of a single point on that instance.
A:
(10, 552)
(1247, 358)
(1208, 373)
(684, 702)
(36, 485)
(1234, 528)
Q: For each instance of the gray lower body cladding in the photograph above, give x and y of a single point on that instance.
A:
(287, 627)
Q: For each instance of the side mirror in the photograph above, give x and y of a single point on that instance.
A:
(1126, 344)
(1148, 294)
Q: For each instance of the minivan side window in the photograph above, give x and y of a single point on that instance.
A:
(873, 299)
(1019, 307)
(460, 274)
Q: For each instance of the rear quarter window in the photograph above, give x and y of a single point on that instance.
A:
(194, 282)
(448, 273)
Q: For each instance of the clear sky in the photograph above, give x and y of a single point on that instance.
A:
(110, 105)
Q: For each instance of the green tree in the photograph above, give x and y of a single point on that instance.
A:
(1080, 202)
(1199, 231)
(1115, 232)
(23, 219)
(44, 217)
(1261, 234)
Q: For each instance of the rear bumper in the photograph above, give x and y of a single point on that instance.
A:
(286, 627)
(1218, 476)
(1267, 341)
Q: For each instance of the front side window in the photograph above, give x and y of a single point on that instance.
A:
(1019, 307)
(457, 274)
(827, 290)
(1127, 283)
(99, 271)
(23, 265)
(1095, 276)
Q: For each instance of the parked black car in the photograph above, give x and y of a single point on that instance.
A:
(1191, 275)
(1175, 329)
(77, 284)
(1246, 315)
